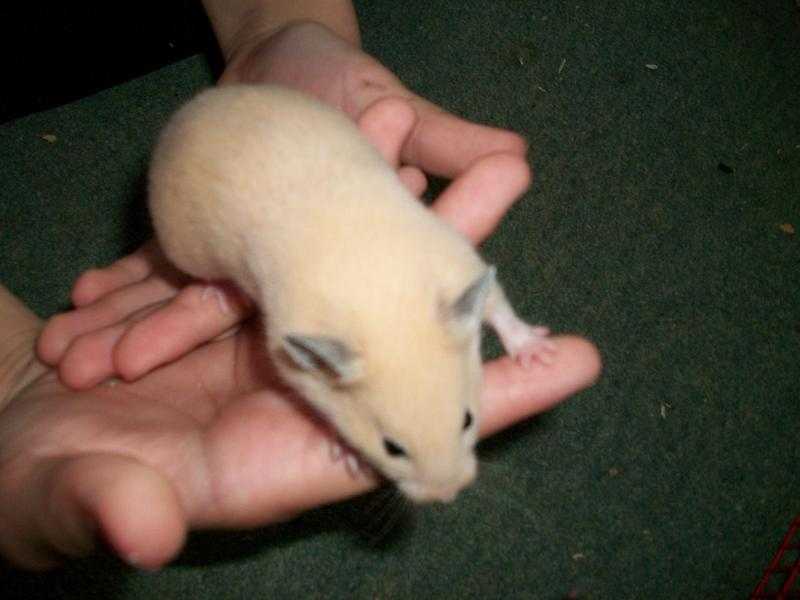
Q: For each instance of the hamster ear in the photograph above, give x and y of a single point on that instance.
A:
(325, 355)
(465, 315)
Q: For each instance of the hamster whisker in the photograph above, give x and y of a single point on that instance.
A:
(384, 504)
(400, 508)
(391, 505)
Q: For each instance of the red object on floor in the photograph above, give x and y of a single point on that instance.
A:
(781, 580)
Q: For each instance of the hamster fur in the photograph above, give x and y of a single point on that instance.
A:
(372, 304)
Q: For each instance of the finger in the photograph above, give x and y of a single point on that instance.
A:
(513, 393)
(475, 202)
(89, 360)
(198, 314)
(445, 145)
(387, 124)
(60, 331)
(69, 503)
(134, 508)
(135, 267)
(414, 180)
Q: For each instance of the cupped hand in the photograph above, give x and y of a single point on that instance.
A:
(210, 440)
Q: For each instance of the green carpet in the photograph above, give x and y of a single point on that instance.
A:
(665, 138)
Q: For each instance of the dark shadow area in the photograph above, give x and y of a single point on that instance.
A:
(137, 227)
(101, 577)
(373, 521)
(55, 53)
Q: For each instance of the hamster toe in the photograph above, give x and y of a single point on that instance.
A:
(532, 345)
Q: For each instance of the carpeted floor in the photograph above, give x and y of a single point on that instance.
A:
(662, 224)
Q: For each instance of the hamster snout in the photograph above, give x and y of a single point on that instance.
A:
(439, 490)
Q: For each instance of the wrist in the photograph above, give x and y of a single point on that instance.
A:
(243, 24)
(19, 366)
(18, 363)
(261, 52)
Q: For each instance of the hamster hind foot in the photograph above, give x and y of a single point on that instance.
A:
(527, 343)
(523, 342)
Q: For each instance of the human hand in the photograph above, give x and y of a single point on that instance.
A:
(211, 440)
(487, 163)
(139, 314)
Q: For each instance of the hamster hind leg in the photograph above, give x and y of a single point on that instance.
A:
(523, 342)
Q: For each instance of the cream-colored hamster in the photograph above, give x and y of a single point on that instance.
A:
(372, 304)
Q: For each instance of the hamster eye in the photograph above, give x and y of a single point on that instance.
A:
(467, 420)
(392, 448)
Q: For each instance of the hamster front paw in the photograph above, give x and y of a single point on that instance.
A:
(353, 464)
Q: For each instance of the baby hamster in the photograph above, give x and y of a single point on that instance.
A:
(372, 304)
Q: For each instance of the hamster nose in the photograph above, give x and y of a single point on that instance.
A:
(448, 494)
(435, 493)
(440, 486)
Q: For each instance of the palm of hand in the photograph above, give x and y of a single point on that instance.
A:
(210, 440)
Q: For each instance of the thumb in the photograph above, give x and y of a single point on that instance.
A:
(107, 496)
